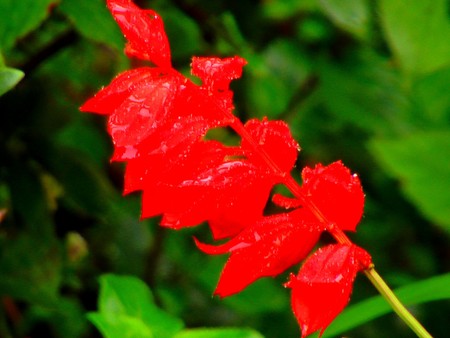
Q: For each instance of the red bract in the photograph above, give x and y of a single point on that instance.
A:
(158, 120)
(152, 112)
(272, 244)
(336, 193)
(216, 75)
(266, 248)
(323, 286)
(206, 182)
(275, 139)
(144, 31)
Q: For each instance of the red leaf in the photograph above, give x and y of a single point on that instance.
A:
(232, 193)
(170, 168)
(323, 286)
(107, 100)
(221, 190)
(189, 181)
(151, 111)
(138, 102)
(189, 185)
(286, 202)
(276, 139)
(266, 248)
(336, 192)
(144, 31)
(216, 75)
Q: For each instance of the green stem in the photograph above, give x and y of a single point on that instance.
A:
(395, 303)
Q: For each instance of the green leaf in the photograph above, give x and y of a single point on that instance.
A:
(275, 78)
(18, 18)
(127, 303)
(249, 301)
(284, 9)
(120, 326)
(9, 78)
(92, 20)
(365, 92)
(349, 15)
(430, 95)
(82, 135)
(184, 34)
(123, 295)
(421, 162)
(432, 289)
(218, 333)
(418, 32)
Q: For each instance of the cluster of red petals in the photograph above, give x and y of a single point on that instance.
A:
(272, 244)
(158, 120)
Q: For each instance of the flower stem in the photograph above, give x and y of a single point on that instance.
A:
(395, 303)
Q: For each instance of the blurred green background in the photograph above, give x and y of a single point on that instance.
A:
(367, 82)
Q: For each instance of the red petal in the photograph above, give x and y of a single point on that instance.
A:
(276, 139)
(139, 102)
(216, 75)
(146, 108)
(144, 31)
(286, 202)
(267, 248)
(107, 100)
(336, 192)
(168, 139)
(232, 193)
(172, 167)
(152, 112)
(324, 284)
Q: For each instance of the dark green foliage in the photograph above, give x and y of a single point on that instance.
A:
(363, 81)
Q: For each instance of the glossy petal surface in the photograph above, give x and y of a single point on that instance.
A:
(276, 140)
(231, 195)
(336, 192)
(151, 111)
(266, 248)
(216, 75)
(189, 185)
(107, 100)
(144, 31)
(323, 286)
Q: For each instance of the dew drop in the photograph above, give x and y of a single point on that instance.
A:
(144, 112)
(257, 236)
(130, 152)
(338, 278)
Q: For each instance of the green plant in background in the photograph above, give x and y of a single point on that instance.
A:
(127, 309)
(364, 81)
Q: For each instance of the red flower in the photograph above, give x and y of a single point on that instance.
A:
(158, 120)
(323, 286)
(272, 244)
